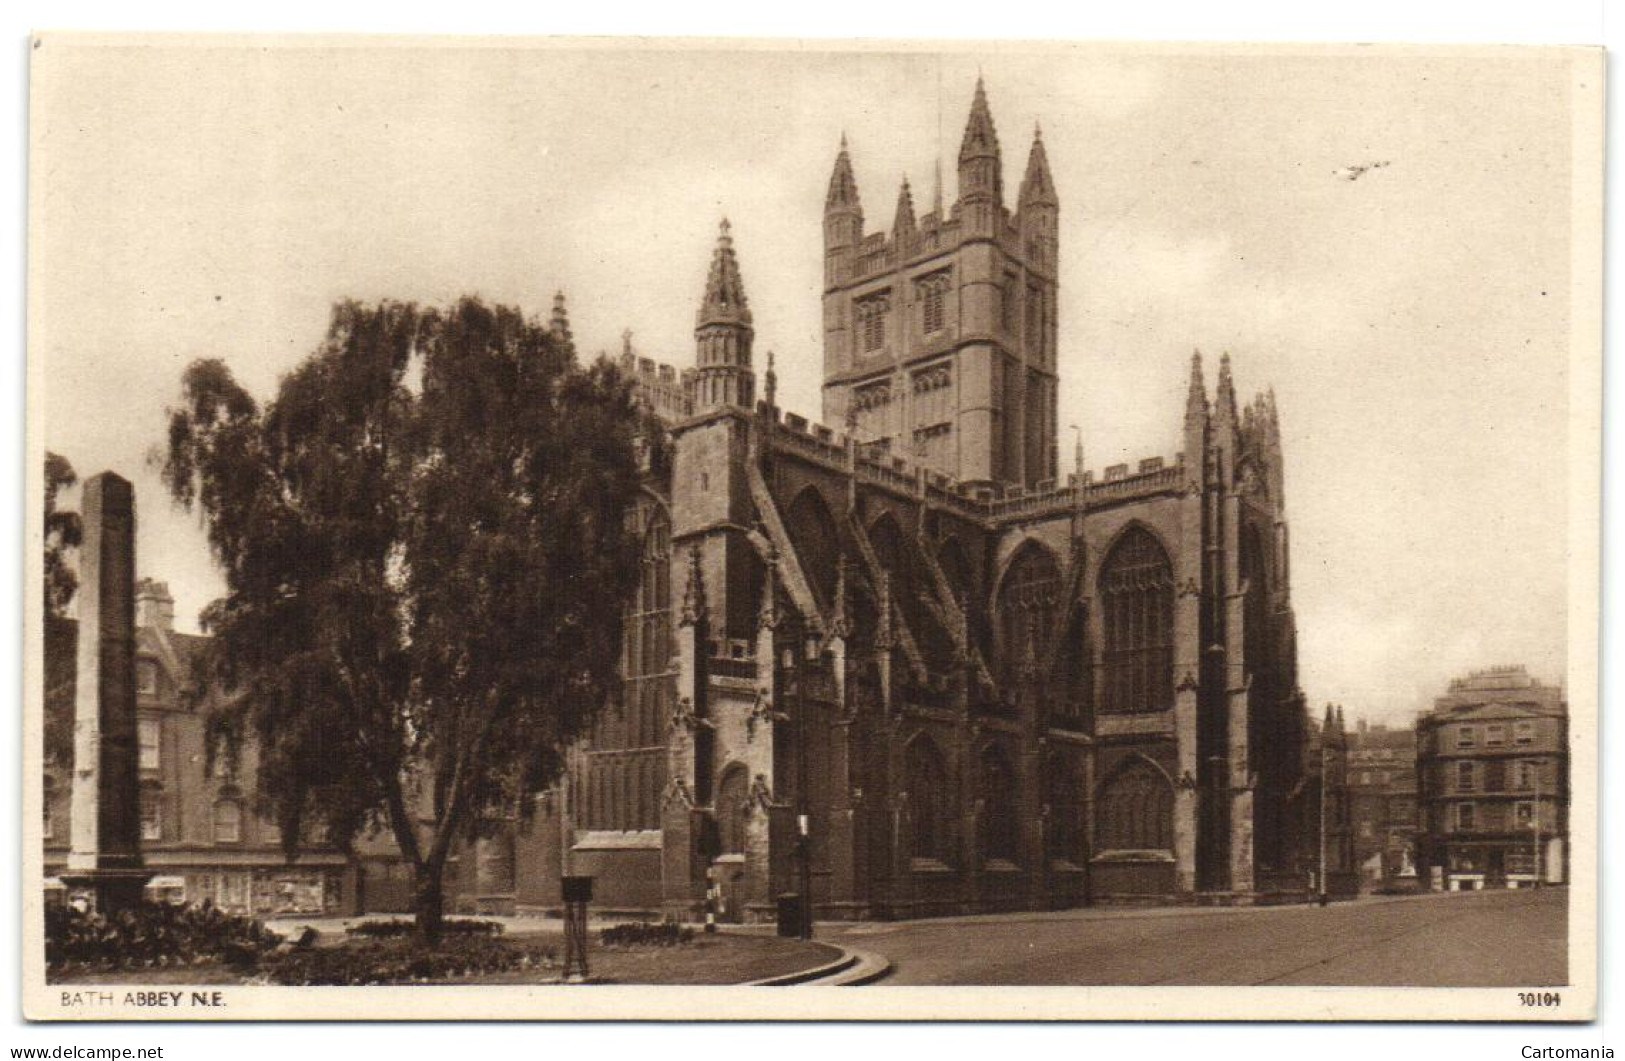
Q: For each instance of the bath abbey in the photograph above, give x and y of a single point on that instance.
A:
(895, 656)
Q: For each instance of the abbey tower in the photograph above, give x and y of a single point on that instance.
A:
(940, 335)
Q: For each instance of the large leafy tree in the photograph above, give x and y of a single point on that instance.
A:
(426, 546)
(63, 534)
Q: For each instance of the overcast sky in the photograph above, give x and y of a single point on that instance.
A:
(1414, 321)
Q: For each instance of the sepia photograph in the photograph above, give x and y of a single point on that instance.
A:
(543, 528)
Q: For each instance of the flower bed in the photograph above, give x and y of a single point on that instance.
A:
(404, 960)
(647, 934)
(153, 935)
(450, 927)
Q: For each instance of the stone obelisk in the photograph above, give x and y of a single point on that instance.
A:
(104, 863)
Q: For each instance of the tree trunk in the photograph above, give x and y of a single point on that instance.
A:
(429, 902)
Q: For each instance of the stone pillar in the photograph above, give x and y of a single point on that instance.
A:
(1188, 649)
(1237, 682)
(104, 864)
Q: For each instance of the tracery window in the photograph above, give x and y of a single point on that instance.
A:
(812, 530)
(870, 316)
(1137, 597)
(933, 295)
(647, 641)
(1028, 601)
(1135, 810)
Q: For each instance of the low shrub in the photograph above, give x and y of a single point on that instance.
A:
(403, 960)
(455, 926)
(647, 934)
(152, 935)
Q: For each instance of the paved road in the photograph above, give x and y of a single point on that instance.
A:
(1479, 939)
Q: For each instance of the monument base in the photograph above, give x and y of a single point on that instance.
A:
(106, 891)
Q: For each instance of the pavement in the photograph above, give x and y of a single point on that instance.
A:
(1466, 939)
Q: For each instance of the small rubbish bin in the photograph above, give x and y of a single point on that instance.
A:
(790, 915)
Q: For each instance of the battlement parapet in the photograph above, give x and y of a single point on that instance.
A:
(665, 389)
(878, 253)
(897, 473)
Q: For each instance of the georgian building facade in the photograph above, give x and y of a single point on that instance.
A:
(1493, 783)
(899, 645)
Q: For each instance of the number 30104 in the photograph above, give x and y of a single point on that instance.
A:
(1540, 998)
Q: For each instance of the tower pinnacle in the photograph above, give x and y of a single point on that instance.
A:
(559, 326)
(981, 171)
(903, 223)
(1037, 187)
(723, 333)
(843, 186)
(725, 301)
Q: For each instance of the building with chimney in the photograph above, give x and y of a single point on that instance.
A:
(1493, 783)
(896, 656)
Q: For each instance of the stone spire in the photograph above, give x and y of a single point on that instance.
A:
(723, 333)
(770, 384)
(1225, 398)
(843, 219)
(724, 301)
(981, 169)
(843, 186)
(903, 224)
(1037, 187)
(981, 140)
(1196, 397)
(559, 326)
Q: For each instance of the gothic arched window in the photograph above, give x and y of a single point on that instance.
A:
(933, 292)
(1137, 597)
(818, 548)
(909, 589)
(930, 800)
(1028, 600)
(1135, 811)
(647, 640)
(999, 827)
